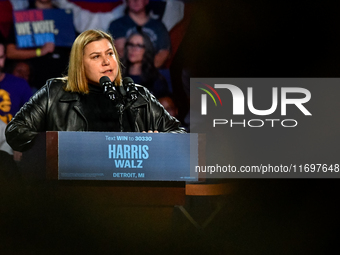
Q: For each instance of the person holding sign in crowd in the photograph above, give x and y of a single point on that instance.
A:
(50, 59)
(77, 102)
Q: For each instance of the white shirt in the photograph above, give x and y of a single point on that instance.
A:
(4, 146)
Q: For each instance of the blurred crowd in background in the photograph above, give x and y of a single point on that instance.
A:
(147, 36)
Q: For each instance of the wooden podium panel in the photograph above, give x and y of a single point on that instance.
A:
(125, 193)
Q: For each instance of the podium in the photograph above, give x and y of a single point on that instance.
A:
(103, 201)
(147, 210)
(125, 168)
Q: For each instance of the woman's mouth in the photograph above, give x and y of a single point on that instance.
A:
(107, 71)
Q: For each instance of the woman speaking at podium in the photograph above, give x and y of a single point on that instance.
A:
(93, 97)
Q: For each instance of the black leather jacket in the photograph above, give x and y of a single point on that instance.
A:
(54, 109)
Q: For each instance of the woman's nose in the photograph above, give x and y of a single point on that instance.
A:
(106, 61)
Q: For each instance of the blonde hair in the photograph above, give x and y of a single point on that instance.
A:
(77, 81)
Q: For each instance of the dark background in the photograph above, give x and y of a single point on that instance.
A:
(262, 39)
(273, 39)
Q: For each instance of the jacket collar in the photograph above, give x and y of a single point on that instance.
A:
(141, 100)
(74, 97)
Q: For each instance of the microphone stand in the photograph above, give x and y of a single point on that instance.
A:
(120, 107)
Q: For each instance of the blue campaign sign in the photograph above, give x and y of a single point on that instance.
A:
(127, 156)
(35, 27)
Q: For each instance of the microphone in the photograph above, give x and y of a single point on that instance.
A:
(109, 89)
(130, 88)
